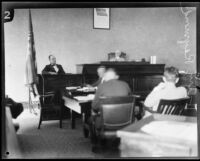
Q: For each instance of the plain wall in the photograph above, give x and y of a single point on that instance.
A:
(69, 35)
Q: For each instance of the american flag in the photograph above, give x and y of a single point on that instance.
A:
(31, 64)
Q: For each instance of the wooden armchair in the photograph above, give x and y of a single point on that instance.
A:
(51, 109)
(115, 113)
(173, 107)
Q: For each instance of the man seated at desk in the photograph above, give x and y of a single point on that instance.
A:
(110, 87)
(100, 71)
(53, 68)
(165, 90)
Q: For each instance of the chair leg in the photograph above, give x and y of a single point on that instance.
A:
(40, 119)
(85, 131)
(97, 146)
(60, 118)
(92, 133)
(61, 123)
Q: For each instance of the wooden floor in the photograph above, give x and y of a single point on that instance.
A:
(52, 142)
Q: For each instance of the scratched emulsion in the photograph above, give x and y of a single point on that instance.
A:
(189, 58)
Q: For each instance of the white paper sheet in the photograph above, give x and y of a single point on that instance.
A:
(89, 97)
(86, 89)
(72, 88)
(179, 130)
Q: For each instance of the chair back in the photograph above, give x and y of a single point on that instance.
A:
(172, 107)
(46, 98)
(40, 84)
(116, 112)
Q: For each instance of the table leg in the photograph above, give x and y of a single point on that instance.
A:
(85, 125)
(73, 121)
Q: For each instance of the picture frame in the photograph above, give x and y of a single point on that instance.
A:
(101, 18)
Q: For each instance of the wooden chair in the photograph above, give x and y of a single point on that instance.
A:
(190, 111)
(115, 113)
(172, 107)
(49, 109)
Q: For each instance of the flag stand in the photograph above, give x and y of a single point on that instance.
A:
(31, 66)
(30, 103)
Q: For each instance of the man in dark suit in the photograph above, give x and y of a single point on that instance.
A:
(53, 68)
(110, 87)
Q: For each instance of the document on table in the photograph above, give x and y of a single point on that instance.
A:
(87, 89)
(178, 130)
(72, 87)
(89, 97)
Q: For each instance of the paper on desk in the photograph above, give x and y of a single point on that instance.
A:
(86, 89)
(89, 97)
(179, 130)
(72, 87)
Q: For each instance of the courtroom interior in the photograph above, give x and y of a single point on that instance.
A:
(110, 82)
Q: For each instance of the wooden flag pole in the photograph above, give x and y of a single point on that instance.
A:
(31, 108)
(29, 99)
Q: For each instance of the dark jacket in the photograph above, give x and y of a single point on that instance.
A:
(15, 107)
(95, 84)
(110, 88)
(50, 68)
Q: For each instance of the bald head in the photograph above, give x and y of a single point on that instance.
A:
(110, 74)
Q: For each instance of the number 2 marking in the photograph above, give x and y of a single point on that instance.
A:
(7, 15)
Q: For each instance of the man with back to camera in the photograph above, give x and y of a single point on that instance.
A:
(53, 68)
(111, 87)
(164, 90)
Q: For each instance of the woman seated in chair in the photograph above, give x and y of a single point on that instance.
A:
(164, 90)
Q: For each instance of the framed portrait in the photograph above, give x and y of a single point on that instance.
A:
(101, 18)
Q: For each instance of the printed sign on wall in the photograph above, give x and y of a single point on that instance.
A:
(102, 18)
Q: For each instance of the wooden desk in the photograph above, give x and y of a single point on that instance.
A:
(49, 82)
(79, 106)
(137, 141)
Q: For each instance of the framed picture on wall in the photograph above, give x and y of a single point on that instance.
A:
(101, 18)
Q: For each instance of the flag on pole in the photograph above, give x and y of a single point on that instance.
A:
(31, 64)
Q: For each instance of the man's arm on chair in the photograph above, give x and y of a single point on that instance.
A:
(61, 69)
(46, 70)
(149, 109)
(151, 101)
